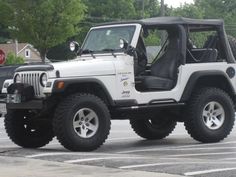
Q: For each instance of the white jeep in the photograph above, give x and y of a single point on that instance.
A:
(190, 79)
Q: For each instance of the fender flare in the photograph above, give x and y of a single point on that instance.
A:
(69, 82)
(196, 76)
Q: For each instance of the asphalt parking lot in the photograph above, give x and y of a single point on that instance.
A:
(177, 154)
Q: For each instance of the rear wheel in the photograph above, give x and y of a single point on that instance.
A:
(27, 130)
(210, 115)
(153, 128)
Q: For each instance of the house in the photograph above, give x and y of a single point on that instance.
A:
(24, 50)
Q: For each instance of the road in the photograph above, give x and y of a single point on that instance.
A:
(177, 154)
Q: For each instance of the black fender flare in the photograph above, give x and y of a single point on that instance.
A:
(193, 79)
(69, 82)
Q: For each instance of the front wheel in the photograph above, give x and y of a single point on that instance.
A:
(82, 122)
(25, 129)
(210, 115)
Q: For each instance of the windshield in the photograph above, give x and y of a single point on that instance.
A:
(107, 39)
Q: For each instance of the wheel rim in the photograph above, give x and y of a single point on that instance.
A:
(213, 115)
(85, 123)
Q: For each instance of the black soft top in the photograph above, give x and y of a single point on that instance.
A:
(170, 20)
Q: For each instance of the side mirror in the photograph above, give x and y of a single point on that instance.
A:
(124, 44)
(74, 46)
(127, 48)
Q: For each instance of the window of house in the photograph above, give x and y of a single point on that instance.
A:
(27, 53)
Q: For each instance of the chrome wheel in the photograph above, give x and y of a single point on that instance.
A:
(213, 115)
(85, 123)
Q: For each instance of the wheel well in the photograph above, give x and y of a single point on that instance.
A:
(92, 88)
(219, 81)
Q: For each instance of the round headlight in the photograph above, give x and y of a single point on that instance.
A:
(43, 79)
(17, 78)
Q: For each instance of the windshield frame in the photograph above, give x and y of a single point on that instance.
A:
(133, 42)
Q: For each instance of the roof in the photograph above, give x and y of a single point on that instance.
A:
(180, 20)
(7, 48)
(171, 20)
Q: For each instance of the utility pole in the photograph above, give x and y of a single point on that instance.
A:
(16, 47)
(162, 14)
(143, 4)
(162, 8)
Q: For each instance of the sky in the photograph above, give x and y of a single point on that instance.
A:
(176, 3)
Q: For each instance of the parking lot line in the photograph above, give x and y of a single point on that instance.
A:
(121, 131)
(172, 163)
(125, 139)
(176, 147)
(100, 158)
(229, 158)
(202, 154)
(208, 171)
(63, 153)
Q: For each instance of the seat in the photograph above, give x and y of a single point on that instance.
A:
(163, 70)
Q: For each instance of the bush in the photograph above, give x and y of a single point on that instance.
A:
(12, 59)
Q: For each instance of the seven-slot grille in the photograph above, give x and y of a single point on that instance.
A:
(34, 80)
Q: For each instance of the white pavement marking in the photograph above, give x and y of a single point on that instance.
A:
(122, 131)
(229, 158)
(63, 153)
(4, 139)
(202, 154)
(100, 158)
(191, 149)
(125, 139)
(208, 171)
(176, 147)
(172, 163)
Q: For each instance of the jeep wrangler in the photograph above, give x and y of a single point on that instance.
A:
(186, 75)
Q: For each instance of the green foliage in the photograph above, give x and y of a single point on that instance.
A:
(187, 10)
(153, 39)
(13, 59)
(45, 24)
(111, 9)
(151, 8)
(220, 9)
(49, 23)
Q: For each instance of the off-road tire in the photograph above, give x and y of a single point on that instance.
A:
(63, 122)
(154, 128)
(23, 132)
(232, 43)
(194, 121)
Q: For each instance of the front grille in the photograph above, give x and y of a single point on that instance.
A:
(34, 80)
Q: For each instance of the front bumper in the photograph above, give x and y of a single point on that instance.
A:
(21, 96)
(32, 104)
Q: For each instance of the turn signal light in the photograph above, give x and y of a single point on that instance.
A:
(60, 85)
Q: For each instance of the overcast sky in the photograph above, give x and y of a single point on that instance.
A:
(176, 3)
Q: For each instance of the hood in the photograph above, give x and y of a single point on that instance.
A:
(86, 67)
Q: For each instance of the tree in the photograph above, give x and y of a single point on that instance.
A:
(147, 8)
(110, 9)
(224, 9)
(44, 24)
(4, 34)
(187, 10)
